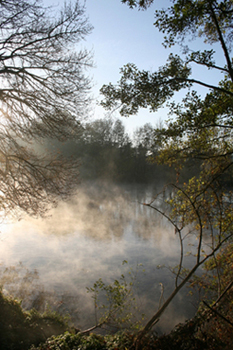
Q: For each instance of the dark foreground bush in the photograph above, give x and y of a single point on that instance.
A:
(185, 336)
(68, 341)
(19, 329)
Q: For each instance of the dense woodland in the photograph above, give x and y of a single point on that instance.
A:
(106, 152)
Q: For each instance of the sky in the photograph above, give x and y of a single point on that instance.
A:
(122, 35)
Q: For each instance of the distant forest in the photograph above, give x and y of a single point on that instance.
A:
(107, 152)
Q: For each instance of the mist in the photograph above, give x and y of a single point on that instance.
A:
(54, 259)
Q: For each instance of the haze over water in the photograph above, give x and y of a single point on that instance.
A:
(86, 239)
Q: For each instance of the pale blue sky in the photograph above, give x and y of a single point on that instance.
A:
(122, 35)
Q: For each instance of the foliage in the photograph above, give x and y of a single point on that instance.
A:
(44, 93)
(215, 287)
(115, 303)
(199, 128)
(80, 341)
(138, 89)
(19, 329)
(141, 3)
(106, 152)
(218, 273)
(184, 336)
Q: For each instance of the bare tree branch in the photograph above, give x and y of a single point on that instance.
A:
(44, 93)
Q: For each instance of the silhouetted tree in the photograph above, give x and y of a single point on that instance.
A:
(44, 93)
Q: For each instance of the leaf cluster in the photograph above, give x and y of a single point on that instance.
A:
(114, 303)
(141, 4)
(141, 89)
(197, 18)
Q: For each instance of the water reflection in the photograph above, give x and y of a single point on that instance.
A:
(88, 238)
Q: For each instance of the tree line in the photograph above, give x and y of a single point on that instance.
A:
(106, 152)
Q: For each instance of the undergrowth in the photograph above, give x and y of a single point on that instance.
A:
(20, 329)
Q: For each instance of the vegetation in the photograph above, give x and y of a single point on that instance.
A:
(199, 128)
(106, 152)
(114, 313)
(20, 329)
(30, 330)
(44, 93)
(91, 342)
(199, 206)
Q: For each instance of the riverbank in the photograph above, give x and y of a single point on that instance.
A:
(49, 331)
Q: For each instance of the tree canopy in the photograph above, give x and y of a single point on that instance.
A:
(197, 128)
(211, 20)
(195, 125)
(44, 93)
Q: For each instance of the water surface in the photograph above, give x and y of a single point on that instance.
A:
(54, 259)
